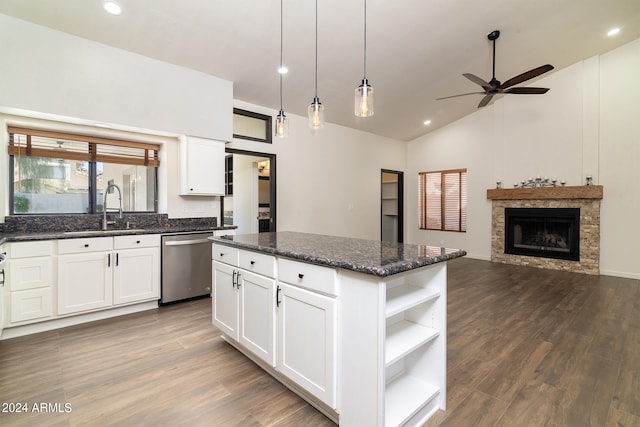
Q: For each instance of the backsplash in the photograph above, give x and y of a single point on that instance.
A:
(41, 223)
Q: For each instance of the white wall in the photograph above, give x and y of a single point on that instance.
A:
(67, 79)
(586, 124)
(328, 182)
(57, 73)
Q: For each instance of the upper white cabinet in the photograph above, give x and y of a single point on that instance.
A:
(201, 167)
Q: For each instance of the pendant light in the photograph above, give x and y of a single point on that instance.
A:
(364, 93)
(316, 109)
(282, 124)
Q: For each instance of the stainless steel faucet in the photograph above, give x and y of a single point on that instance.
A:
(105, 223)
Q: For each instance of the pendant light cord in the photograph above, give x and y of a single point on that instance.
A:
(281, 71)
(316, 49)
(365, 39)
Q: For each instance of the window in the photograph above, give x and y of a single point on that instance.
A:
(443, 200)
(54, 172)
(251, 126)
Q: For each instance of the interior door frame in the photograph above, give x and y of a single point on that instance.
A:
(400, 175)
(272, 182)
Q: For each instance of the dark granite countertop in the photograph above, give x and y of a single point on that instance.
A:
(19, 228)
(364, 256)
(22, 236)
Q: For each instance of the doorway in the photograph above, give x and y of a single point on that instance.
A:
(391, 206)
(250, 200)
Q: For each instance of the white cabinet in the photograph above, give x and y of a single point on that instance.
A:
(201, 167)
(256, 307)
(100, 272)
(306, 316)
(85, 275)
(136, 273)
(30, 278)
(244, 299)
(225, 299)
(306, 340)
(291, 326)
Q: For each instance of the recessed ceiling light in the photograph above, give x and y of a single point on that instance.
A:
(613, 31)
(283, 70)
(427, 122)
(112, 7)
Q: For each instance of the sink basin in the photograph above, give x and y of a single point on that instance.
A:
(102, 232)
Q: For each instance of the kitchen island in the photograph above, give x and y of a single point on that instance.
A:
(356, 327)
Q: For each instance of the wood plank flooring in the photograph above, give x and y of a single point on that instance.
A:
(526, 347)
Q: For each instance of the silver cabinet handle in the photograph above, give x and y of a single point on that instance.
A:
(238, 280)
(185, 242)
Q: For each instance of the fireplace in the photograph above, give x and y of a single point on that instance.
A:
(584, 199)
(543, 232)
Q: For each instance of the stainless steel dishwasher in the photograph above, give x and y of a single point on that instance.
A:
(186, 266)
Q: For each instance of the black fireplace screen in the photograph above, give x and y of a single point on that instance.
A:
(543, 232)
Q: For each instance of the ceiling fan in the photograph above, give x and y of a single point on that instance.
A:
(495, 87)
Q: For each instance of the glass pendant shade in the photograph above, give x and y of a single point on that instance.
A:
(364, 99)
(316, 114)
(282, 125)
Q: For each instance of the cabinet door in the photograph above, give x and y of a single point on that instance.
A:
(136, 275)
(84, 281)
(257, 315)
(225, 299)
(201, 167)
(307, 340)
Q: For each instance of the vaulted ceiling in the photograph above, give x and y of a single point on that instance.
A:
(417, 50)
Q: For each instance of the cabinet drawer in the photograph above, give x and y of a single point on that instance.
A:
(89, 244)
(30, 249)
(310, 276)
(225, 254)
(262, 264)
(136, 241)
(30, 273)
(31, 304)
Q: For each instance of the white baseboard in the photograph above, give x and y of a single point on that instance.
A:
(34, 328)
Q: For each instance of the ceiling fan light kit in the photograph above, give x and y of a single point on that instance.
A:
(495, 87)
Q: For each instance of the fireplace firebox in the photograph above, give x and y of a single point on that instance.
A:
(543, 232)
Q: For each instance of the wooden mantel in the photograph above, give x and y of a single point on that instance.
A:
(546, 193)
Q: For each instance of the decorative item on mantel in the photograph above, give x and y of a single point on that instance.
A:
(537, 182)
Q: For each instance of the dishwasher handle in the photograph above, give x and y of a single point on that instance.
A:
(186, 242)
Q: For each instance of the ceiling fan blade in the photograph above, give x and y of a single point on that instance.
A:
(527, 90)
(526, 76)
(462, 94)
(485, 100)
(477, 80)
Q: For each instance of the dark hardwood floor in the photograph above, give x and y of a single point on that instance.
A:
(526, 347)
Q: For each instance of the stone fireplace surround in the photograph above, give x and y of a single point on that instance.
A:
(586, 198)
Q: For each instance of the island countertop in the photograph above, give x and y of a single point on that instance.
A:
(360, 255)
